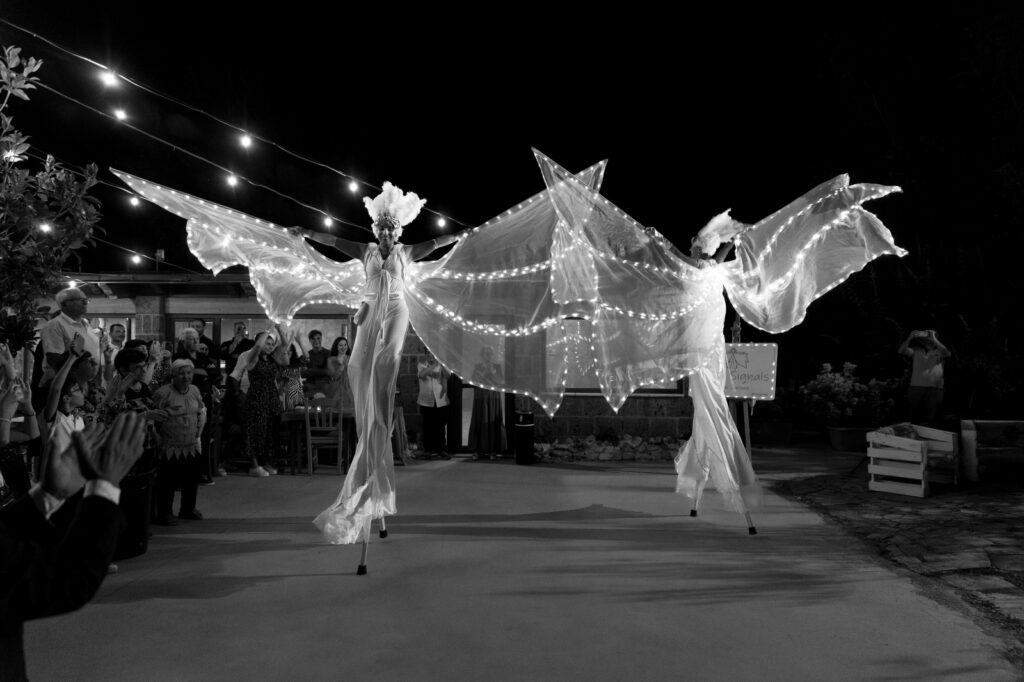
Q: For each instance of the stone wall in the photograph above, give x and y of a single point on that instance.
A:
(649, 416)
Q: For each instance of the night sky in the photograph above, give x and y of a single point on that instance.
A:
(696, 114)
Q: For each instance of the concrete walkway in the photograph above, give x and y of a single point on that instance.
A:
(499, 572)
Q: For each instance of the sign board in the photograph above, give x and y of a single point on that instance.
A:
(751, 369)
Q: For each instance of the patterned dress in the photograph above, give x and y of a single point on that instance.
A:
(262, 409)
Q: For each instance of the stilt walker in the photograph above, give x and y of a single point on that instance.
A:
(648, 314)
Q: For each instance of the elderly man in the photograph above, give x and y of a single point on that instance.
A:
(57, 334)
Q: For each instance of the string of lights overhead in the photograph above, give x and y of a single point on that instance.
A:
(136, 257)
(245, 138)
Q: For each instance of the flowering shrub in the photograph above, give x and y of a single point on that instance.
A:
(839, 399)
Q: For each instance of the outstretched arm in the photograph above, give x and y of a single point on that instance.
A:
(689, 260)
(424, 249)
(349, 248)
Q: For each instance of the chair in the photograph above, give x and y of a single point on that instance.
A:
(323, 430)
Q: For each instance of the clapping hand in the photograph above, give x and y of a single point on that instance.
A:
(77, 344)
(6, 359)
(63, 474)
(119, 450)
(10, 397)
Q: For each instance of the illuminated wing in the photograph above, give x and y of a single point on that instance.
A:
(286, 272)
(494, 289)
(648, 317)
(786, 261)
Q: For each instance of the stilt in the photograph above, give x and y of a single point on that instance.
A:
(362, 562)
(700, 491)
(383, 529)
(750, 524)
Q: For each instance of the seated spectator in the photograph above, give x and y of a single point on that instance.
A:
(49, 563)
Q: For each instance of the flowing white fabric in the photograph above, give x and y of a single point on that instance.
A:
(369, 489)
(645, 316)
(715, 450)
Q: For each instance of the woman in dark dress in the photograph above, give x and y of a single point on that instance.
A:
(263, 403)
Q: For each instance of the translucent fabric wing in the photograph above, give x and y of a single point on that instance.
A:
(286, 272)
(786, 261)
(565, 281)
(647, 314)
(494, 289)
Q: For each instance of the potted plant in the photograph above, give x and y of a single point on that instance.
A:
(846, 406)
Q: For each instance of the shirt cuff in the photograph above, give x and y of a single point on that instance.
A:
(104, 489)
(46, 503)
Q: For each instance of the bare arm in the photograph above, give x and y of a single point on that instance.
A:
(943, 351)
(349, 248)
(424, 249)
(723, 251)
(904, 348)
(53, 397)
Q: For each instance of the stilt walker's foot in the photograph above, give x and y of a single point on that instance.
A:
(693, 512)
(751, 531)
(361, 570)
(383, 533)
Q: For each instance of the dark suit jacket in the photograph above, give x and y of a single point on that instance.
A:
(50, 568)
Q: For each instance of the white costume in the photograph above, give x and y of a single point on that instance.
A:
(642, 315)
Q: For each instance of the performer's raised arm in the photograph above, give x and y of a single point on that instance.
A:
(424, 249)
(352, 249)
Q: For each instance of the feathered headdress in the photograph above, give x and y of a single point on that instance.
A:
(719, 229)
(393, 207)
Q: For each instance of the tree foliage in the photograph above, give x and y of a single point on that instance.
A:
(45, 216)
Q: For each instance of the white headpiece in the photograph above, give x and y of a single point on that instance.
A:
(393, 207)
(719, 229)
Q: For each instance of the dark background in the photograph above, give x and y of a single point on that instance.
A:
(695, 114)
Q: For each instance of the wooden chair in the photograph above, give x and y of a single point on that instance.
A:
(323, 430)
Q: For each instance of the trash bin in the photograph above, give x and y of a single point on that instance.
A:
(136, 500)
(524, 437)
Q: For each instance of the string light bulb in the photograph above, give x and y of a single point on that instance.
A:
(136, 258)
(134, 201)
(232, 180)
(441, 221)
(120, 114)
(245, 141)
(109, 78)
(327, 221)
(45, 227)
(353, 187)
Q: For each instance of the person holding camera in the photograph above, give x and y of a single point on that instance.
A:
(926, 376)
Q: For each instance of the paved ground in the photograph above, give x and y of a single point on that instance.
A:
(501, 572)
(970, 538)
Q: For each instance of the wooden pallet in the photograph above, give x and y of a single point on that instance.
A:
(906, 466)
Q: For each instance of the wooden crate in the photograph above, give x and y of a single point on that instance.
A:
(905, 466)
